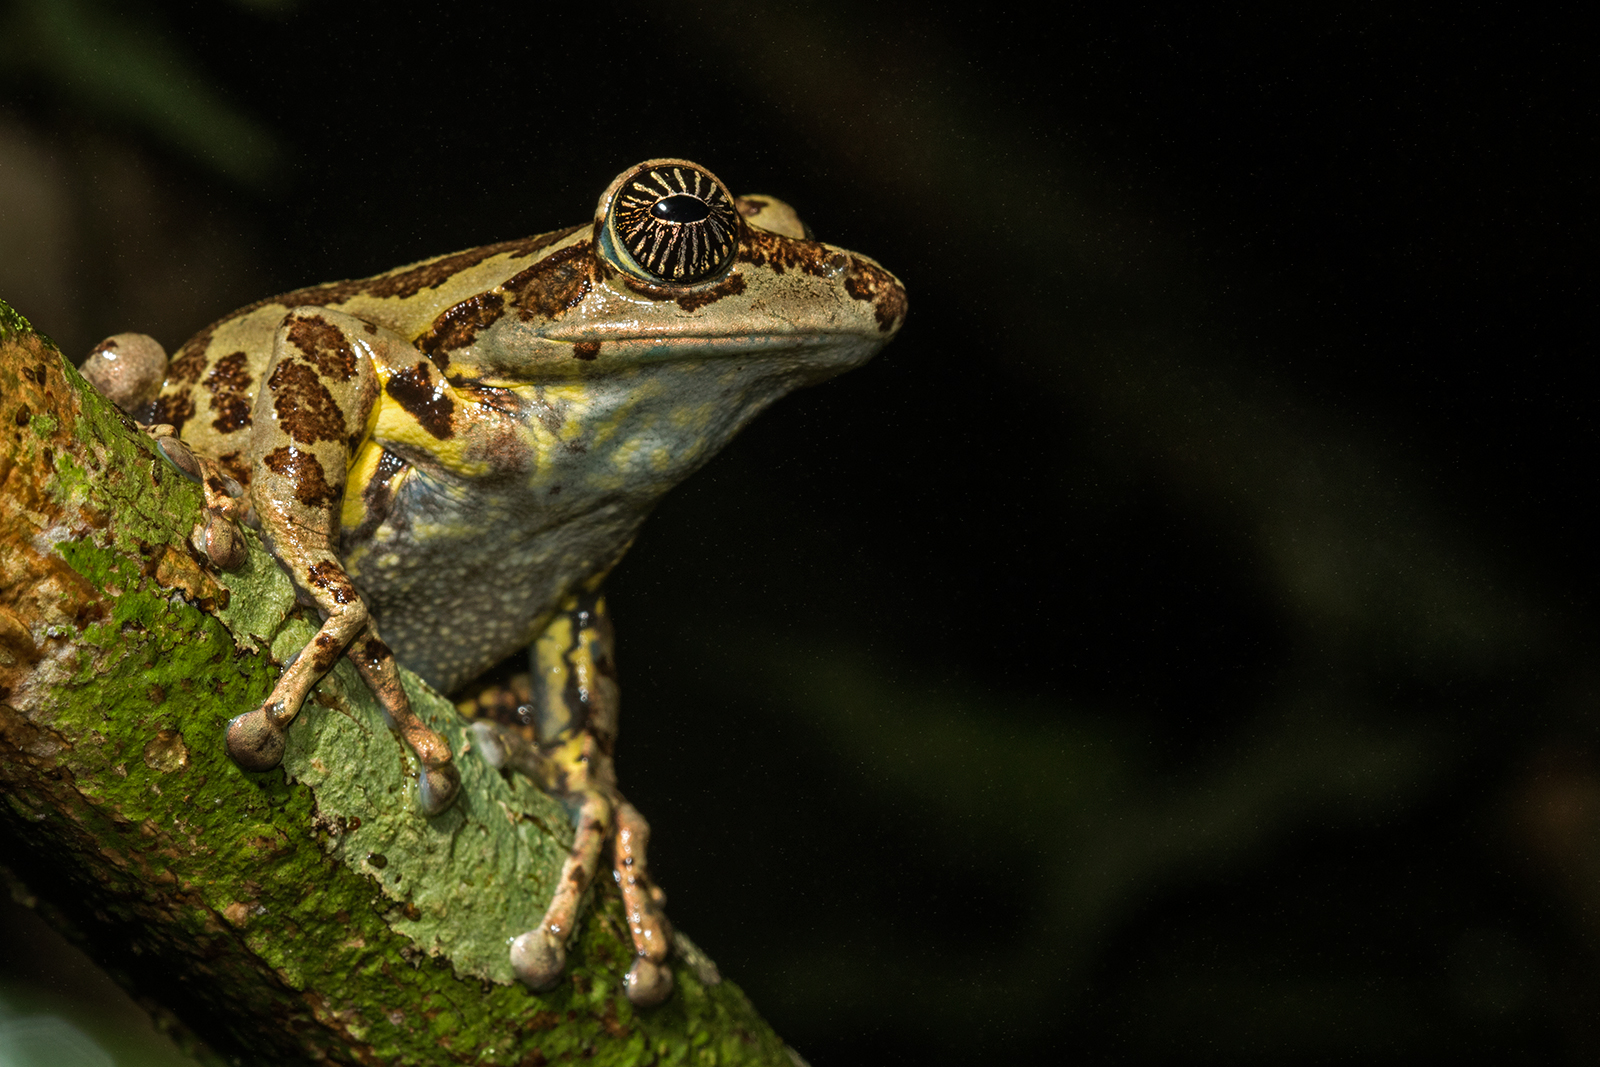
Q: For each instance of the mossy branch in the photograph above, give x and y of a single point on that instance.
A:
(304, 914)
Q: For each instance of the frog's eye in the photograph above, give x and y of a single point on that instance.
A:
(668, 220)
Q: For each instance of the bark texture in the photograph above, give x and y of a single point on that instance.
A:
(304, 914)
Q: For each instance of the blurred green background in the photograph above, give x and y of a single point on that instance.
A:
(1177, 647)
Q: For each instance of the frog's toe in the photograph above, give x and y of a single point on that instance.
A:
(180, 456)
(486, 739)
(221, 541)
(437, 787)
(255, 740)
(538, 958)
(647, 984)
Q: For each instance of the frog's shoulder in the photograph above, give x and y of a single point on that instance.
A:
(405, 299)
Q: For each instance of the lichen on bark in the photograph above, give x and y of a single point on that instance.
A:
(304, 914)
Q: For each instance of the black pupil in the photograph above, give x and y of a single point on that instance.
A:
(681, 208)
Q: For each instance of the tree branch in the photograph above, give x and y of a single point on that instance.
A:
(307, 913)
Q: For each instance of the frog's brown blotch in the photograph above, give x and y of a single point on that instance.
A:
(306, 410)
(868, 281)
(231, 411)
(324, 346)
(230, 374)
(174, 409)
(413, 390)
(302, 470)
(331, 578)
(327, 652)
(554, 285)
(457, 326)
(189, 363)
(586, 350)
(235, 464)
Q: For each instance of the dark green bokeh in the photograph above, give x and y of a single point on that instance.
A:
(1144, 658)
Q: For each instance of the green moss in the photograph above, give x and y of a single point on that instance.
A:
(12, 324)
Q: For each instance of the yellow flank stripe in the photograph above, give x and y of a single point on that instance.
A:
(363, 468)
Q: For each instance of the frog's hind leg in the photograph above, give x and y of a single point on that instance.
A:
(320, 389)
(575, 713)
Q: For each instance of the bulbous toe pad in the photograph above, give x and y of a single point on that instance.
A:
(255, 741)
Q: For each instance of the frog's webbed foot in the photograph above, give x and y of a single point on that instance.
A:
(538, 956)
(256, 739)
(647, 983)
(438, 778)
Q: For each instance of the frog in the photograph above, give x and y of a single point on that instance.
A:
(450, 457)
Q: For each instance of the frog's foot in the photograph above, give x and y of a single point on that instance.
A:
(217, 533)
(649, 981)
(127, 368)
(256, 738)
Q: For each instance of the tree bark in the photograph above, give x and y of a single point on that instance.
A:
(304, 914)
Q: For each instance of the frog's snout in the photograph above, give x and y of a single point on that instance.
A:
(866, 281)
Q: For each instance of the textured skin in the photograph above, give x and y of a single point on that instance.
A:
(456, 452)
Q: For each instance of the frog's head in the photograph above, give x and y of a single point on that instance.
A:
(676, 269)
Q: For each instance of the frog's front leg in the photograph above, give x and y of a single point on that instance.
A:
(311, 414)
(575, 699)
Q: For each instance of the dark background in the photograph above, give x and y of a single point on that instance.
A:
(1176, 646)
